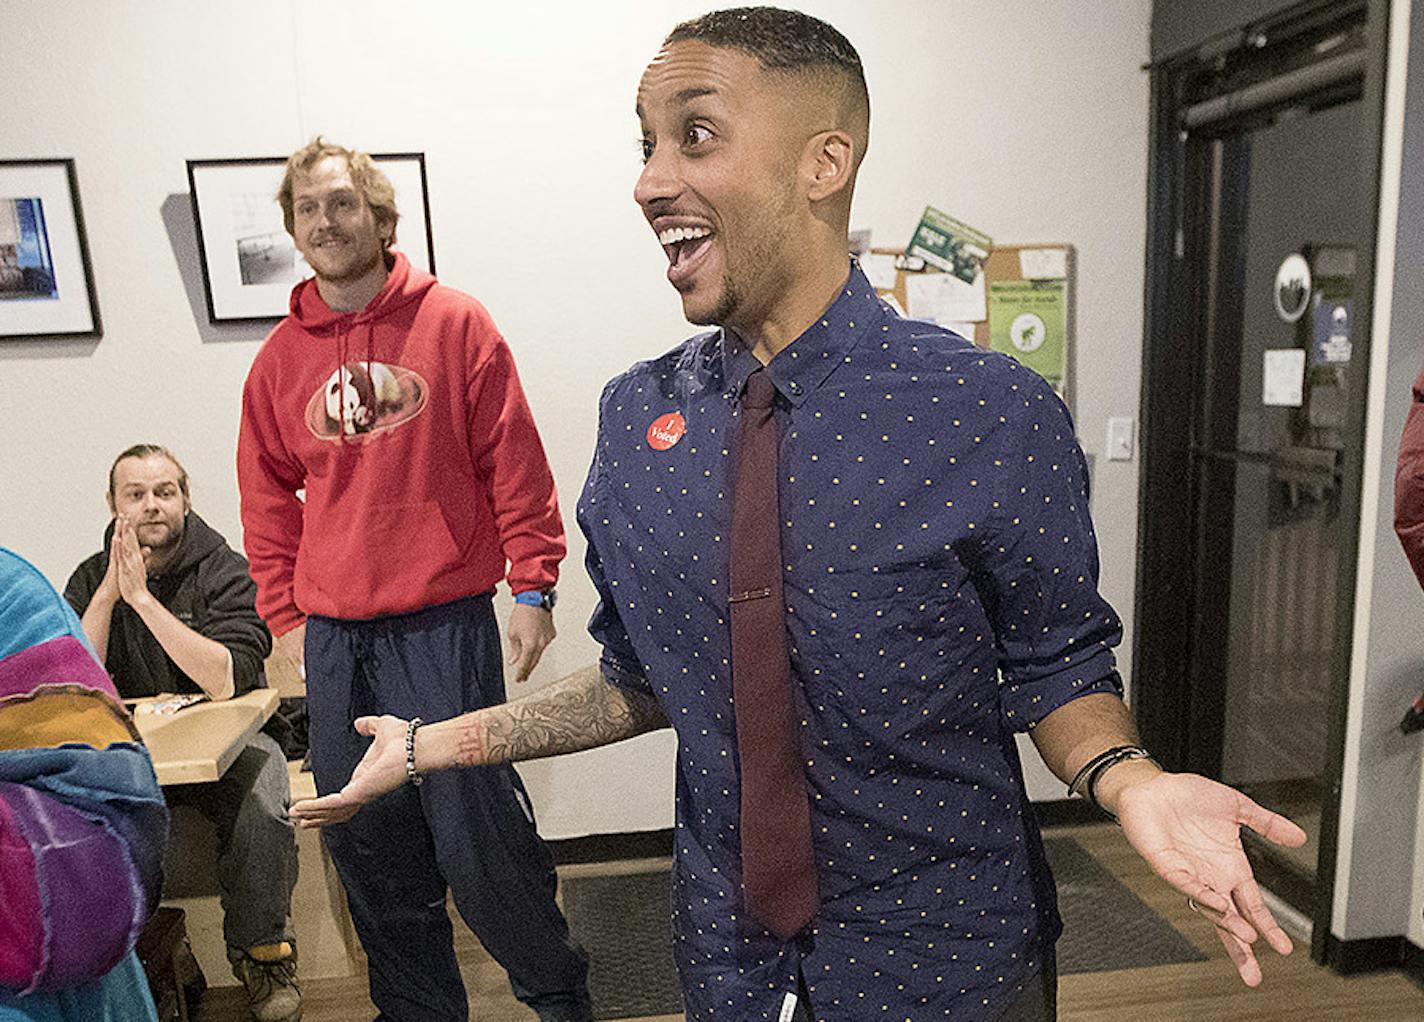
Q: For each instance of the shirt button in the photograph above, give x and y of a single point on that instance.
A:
(795, 388)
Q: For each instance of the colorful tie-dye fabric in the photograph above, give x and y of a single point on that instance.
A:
(82, 820)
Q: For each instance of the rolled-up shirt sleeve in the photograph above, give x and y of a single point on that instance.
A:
(1037, 568)
(618, 663)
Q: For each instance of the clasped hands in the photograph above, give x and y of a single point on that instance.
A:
(127, 574)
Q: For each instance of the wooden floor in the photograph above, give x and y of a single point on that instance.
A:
(1295, 990)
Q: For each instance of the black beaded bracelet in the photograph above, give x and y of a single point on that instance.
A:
(412, 774)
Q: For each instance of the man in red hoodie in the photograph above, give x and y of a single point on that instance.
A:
(389, 468)
(1409, 484)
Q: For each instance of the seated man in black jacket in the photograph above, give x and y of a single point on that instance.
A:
(169, 608)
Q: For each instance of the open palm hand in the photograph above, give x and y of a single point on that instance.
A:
(381, 769)
(1188, 828)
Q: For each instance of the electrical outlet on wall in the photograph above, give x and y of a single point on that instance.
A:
(1120, 438)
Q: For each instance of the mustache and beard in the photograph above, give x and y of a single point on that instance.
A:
(159, 539)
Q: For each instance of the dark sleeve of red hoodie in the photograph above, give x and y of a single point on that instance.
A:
(268, 478)
(508, 453)
(1409, 484)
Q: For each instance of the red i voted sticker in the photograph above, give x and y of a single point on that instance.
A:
(666, 430)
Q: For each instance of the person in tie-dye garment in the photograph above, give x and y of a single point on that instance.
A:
(83, 823)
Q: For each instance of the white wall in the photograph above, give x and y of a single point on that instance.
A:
(1028, 120)
(1381, 847)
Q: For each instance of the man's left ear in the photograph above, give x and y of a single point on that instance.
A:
(829, 159)
(385, 231)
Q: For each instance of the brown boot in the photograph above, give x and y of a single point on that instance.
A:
(269, 973)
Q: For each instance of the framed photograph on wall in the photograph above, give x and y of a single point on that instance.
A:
(249, 261)
(46, 281)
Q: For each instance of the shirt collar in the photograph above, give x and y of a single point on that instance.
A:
(805, 363)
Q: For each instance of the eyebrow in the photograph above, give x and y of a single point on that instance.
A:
(683, 97)
(688, 95)
(314, 195)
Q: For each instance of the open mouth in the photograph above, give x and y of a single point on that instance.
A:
(685, 247)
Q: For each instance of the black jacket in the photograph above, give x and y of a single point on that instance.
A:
(207, 587)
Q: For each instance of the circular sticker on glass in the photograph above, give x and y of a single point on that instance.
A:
(1027, 332)
(1292, 287)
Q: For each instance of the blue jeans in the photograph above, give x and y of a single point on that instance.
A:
(470, 831)
(257, 844)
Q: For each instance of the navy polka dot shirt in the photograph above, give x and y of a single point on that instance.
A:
(941, 594)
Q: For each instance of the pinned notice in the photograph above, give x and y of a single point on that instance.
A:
(1028, 319)
(879, 269)
(943, 298)
(1283, 378)
(1043, 263)
(951, 245)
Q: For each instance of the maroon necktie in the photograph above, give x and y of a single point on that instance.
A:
(778, 870)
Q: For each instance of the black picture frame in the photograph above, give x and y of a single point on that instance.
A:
(46, 276)
(248, 261)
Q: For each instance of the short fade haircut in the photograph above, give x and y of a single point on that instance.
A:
(780, 40)
(370, 181)
(145, 451)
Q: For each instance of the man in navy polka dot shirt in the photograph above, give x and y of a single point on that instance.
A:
(940, 587)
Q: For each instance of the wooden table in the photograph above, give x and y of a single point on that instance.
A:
(199, 742)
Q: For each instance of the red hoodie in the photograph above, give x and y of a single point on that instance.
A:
(407, 427)
(1409, 484)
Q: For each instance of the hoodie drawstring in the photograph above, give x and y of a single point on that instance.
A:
(341, 380)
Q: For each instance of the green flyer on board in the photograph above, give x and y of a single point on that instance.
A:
(1028, 320)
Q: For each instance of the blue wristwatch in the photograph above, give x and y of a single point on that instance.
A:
(544, 599)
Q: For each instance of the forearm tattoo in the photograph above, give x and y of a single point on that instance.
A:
(582, 713)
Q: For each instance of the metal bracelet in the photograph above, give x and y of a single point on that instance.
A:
(1123, 756)
(1085, 781)
(412, 774)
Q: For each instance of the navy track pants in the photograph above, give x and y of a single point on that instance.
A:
(471, 830)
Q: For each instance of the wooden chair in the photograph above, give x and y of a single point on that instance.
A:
(168, 963)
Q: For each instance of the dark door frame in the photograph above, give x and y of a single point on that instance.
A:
(1174, 718)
